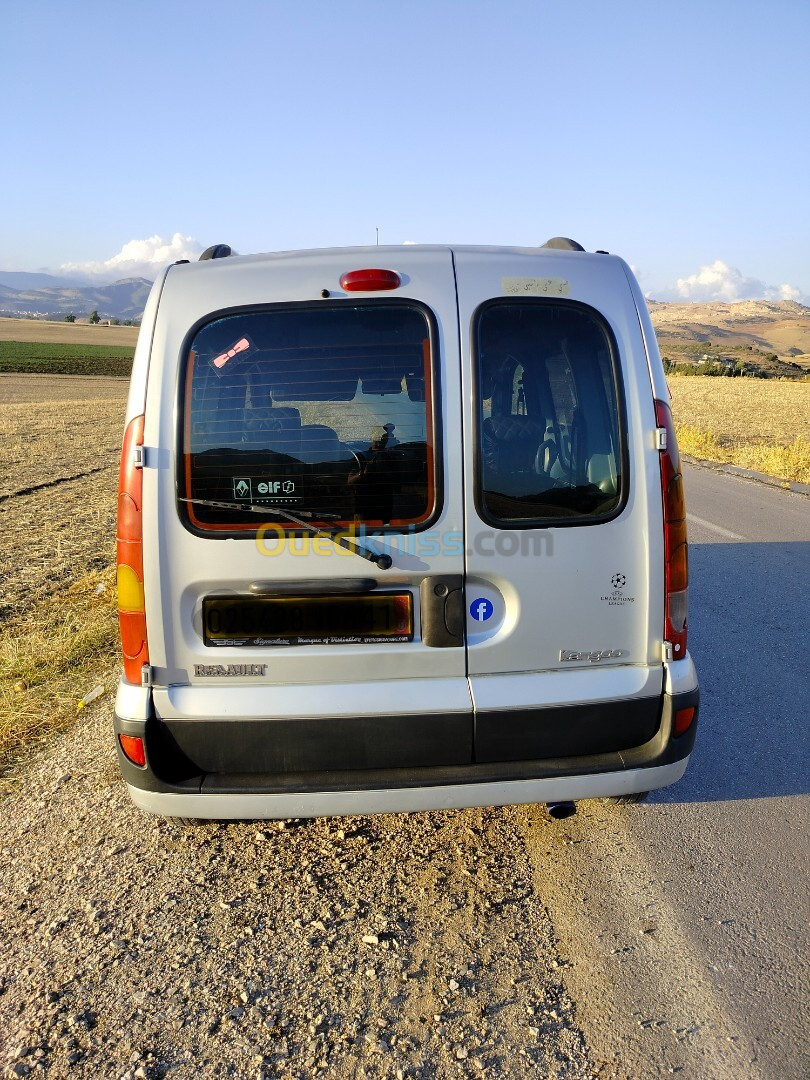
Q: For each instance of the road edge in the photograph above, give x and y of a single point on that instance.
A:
(791, 486)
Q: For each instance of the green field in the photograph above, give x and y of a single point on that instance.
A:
(56, 358)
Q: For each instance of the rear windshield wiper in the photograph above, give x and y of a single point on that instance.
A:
(383, 561)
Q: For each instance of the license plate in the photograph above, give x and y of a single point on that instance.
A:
(307, 620)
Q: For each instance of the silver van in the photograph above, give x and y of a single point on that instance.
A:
(400, 528)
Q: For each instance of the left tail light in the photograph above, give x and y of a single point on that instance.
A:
(131, 606)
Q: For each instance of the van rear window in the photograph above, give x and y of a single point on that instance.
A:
(324, 412)
(549, 415)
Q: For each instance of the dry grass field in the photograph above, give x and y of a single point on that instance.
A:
(755, 423)
(59, 444)
(66, 333)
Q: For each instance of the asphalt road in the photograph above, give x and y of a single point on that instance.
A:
(685, 919)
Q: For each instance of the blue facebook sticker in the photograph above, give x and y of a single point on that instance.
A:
(481, 609)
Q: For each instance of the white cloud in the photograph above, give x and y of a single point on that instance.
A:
(138, 258)
(721, 282)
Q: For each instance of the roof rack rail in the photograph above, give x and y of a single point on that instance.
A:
(562, 243)
(216, 251)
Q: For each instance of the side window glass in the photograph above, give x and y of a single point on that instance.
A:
(548, 415)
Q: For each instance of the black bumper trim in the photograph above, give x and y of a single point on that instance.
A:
(568, 731)
(171, 769)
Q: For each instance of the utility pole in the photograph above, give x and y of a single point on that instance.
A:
(377, 230)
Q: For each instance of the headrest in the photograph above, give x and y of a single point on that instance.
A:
(312, 383)
(386, 384)
(416, 387)
(512, 428)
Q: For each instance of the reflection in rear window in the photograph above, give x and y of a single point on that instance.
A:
(548, 415)
(323, 412)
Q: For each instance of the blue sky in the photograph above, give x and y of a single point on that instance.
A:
(674, 135)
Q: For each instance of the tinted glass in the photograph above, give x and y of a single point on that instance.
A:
(324, 412)
(548, 414)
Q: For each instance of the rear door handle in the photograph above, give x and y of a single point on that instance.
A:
(441, 600)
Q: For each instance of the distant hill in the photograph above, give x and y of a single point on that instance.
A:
(21, 279)
(772, 336)
(124, 299)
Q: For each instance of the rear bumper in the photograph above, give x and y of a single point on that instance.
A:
(215, 769)
(403, 800)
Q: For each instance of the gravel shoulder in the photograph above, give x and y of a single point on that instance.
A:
(412, 945)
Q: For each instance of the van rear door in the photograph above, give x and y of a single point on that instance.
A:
(564, 549)
(342, 410)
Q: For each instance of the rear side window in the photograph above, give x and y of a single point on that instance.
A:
(324, 412)
(549, 415)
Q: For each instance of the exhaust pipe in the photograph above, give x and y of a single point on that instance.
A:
(560, 810)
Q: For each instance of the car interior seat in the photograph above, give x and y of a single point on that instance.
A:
(511, 445)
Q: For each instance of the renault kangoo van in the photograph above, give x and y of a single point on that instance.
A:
(400, 528)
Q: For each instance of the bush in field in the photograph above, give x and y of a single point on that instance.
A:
(712, 368)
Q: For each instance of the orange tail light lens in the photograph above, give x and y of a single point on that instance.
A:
(131, 607)
(676, 571)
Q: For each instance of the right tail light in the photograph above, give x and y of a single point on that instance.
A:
(676, 561)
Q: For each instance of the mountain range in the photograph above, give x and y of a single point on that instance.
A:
(46, 296)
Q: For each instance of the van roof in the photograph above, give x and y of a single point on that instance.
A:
(401, 251)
